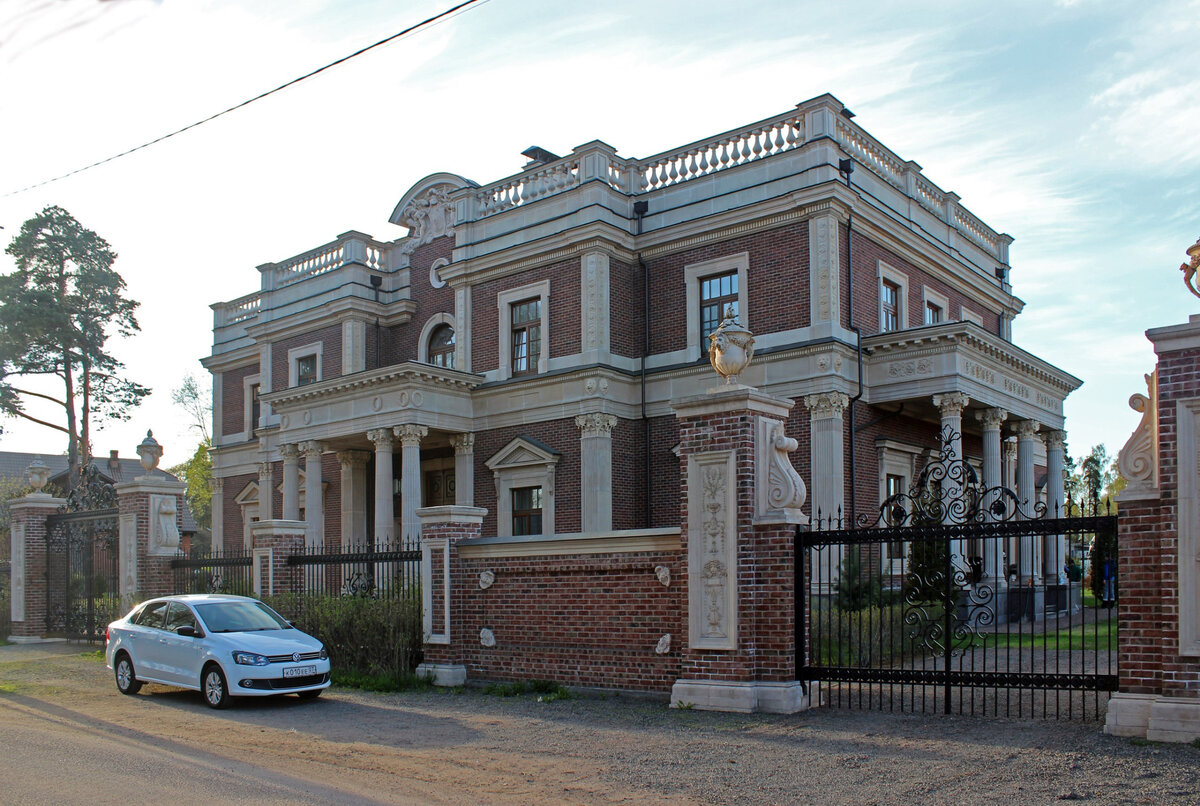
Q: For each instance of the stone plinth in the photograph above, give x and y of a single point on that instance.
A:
(738, 650)
(27, 535)
(442, 528)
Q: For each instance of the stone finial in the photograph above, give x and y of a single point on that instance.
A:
(1190, 269)
(730, 348)
(149, 452)
(38, 474)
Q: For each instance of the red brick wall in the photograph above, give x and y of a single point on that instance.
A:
(627, 318)
(429, 300)
(233, 399)
(331, 354)
(563, 316)
(663, 487)
(867, 255)
(231, 515)
(34, 624)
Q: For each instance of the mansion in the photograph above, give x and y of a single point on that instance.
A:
(520, 348)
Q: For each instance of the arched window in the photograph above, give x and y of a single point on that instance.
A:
(441, 346)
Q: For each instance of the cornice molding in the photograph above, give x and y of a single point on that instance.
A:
(421, 375)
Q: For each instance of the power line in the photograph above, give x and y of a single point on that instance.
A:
(411, 29)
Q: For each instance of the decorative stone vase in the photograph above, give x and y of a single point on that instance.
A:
(38, 473)
(730, 348)
(149, 452)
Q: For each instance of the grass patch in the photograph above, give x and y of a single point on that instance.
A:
(405, 681)
(1100, 635)
(1136, 742)
(545, 690)
(95, 654)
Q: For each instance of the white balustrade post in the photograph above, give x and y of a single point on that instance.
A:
(410, 437)
(291, 482)
(385, 517)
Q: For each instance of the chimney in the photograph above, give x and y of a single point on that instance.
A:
(114, 466)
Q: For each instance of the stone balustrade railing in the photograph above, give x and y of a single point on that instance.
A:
(238, 310)
(350, 247)
(538, 183)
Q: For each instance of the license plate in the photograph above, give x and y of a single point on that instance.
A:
(300, 671)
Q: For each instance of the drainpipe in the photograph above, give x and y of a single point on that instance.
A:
(639, 210)
(846, 168)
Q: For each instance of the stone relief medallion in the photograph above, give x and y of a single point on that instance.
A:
(486, 579)
(487, 638)
(376, 403)
(664, 575)
(411, 400)
(307, 417)
(664, 645)
(435, 278)
(285, 421)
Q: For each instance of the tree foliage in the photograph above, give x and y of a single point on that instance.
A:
(197, 471)
(57, 313)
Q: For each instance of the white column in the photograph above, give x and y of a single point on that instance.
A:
(951, 406)
(595, 444)
(264, 384)
(464, 469)
(354, 497)
(266, 480)
(385, 515)
(1028, 561)
(1056, 547)
(354, 345)
(993, 477)
(291, 482)
(314, 500)
(410, 437)
(218, 514)
(827, 449)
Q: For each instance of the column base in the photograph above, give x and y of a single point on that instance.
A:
(444, 674)
(1149, 716)
(740, 697)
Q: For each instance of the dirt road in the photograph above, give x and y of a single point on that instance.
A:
(66, 736)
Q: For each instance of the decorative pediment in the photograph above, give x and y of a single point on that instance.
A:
(427, 209)
(248, 495)
(522, 452)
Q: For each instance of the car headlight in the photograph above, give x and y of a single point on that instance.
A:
(251, 659)
(324, 653)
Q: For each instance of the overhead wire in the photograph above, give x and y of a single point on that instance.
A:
(440, 17)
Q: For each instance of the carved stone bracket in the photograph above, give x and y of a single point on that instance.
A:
(664, 645)
(1138, 460)
(487, 638)
(664, 575)
(779, 490)
(486, 579)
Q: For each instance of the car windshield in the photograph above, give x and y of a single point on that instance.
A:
(240, 617)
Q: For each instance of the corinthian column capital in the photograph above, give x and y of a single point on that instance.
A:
(827, 404)
(1025, 429)
(311, 448)
(991, 418)
(410, 435)
(596, 425)
(382, 437)
(951, 404)
(1054, 439)
(289, 452)
(463, 443)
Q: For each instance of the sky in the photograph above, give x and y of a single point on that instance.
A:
(1074, 126)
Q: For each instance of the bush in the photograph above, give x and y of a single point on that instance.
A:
(854, 589)
(371, 638)
(872, 636)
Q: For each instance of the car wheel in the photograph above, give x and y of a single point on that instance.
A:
(127, 682)
(212, 684)
(309, 695)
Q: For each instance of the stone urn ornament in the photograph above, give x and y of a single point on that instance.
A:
(38, 474)
(730, 348)
(1191, 268)
(149, 452)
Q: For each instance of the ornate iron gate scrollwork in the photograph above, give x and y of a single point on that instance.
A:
(957, 590)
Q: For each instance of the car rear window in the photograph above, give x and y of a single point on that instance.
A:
(151, 615)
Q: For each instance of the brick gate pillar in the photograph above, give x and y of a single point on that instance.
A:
(741, 501)
(27, 532)
(149, 517)
(443, 589)
(272, 542)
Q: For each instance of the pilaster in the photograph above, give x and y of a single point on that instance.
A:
(595, 442)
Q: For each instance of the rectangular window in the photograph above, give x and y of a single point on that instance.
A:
(717, 294)
(527, 511)
(933, 313)
(894, 485)
(306, 370)
(526, 336)
(255, 408)
(889, 297)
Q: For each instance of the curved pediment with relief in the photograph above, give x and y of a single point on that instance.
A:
(427, 209)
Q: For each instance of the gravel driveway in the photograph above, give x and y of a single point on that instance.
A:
(468, 747)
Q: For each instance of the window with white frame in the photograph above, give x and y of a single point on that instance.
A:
(712, 286)
(441, 347)
(893, 299)
(526, 511)
(305, 364)
(936, 308)
(251, 407)
(897, 461)
(524, 335)
(524, 471)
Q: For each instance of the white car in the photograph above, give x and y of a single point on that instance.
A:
(222, 646)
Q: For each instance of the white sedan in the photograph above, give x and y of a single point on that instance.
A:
(223, 646)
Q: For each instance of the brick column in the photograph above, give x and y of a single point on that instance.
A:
(443, 588)
(147, 541)
(737, 652)
(27, 533)
(273, 542)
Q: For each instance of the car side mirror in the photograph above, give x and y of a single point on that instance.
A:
(186, 631)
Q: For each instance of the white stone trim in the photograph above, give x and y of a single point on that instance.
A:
(893, 275)
(16, 536)
(594, 305)
(1187, 418)
(430, 325)
(693, 274)
(617, 542)
(896, 459)
(428, 546)
(521, 463)
(354, 345)
(444, 674)
(317, 348)
(504, 301)
(712, 550)
(968, 315)
(260, 556)
(435, 279)
(743, 697)
(928, 295)
(1153, 717)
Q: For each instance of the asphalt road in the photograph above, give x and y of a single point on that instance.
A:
(67, 736)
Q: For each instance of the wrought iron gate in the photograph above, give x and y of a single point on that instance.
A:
(957, 598)
(82, 588)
